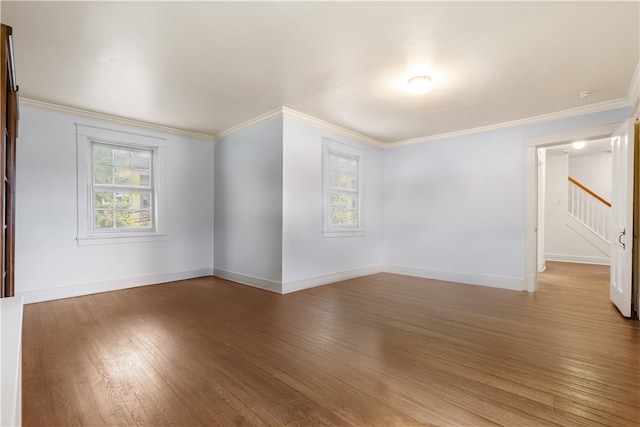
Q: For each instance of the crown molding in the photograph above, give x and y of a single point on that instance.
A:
(633, 94)
(564, 114)
(42, 105)
(305, 118)
(249, 123)
(630, 100)
(289, 113)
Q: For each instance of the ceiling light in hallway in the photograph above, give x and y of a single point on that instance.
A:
(578, 145)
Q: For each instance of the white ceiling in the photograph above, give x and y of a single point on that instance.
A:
(209, 66)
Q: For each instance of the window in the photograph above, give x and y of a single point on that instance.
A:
(122, 188)
(120, 198)
(342, 190)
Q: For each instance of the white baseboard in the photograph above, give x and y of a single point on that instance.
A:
(578, 259)
(502, 282)
(108, 285)
(325, 279)
(530, 284)
(243, 279)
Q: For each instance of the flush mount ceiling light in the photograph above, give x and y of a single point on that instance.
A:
(419, 84)
(579, 145)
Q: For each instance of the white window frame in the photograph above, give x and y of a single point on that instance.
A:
(85, 137)
(328, 230)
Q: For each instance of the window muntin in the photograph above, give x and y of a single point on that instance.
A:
(122, 190)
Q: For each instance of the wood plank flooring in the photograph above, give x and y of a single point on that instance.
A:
(382, 350)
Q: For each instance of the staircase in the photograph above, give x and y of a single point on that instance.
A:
(589, 215)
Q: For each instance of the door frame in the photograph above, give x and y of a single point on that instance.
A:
(531, 188)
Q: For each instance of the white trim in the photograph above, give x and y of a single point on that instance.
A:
(305, 118)
(11, 310)
(243, 279)
(250, 123)
(41, 105)
(85, 135)
(289, 113)
(502, 282)
(593, 108)
(593, 132)
(634, 88)
(630, 100)
(325, 279)
(579, 259)
(49, 294)
(119, 239)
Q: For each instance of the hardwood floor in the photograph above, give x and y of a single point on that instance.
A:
(382, 350)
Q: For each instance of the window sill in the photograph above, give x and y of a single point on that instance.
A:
(121, 239)
(342, 233)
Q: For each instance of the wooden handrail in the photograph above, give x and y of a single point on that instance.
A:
(589, 191)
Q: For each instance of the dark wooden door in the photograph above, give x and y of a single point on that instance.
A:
(9, 126)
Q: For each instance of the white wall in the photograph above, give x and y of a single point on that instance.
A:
(248, 210)
(594, 171)
(451, 209)
(50, 264)
(454, 209)
(308, 258)
(562, 242)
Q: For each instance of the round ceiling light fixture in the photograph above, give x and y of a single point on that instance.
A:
(419, 84)
(579, 145)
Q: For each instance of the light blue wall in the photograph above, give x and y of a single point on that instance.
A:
(50, 264)
(248, 202)
(307, 256)
(455, 208)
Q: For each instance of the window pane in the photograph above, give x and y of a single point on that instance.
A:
(122, 158)
(141, 160)
(352, 201)
(142, 219)
(350, 217)
(102, 156)
(141, 201)
(334, 178)
(334, 199)
(334, 216)
(103, 175)
(343, 208)
(140, 178)
(343, 172)
(349, 181)
(103, 219)
(122, 176)
(133, 219)
(124, 219)
(103, 200)
(123, 200)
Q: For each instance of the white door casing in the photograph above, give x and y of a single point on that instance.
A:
(622, 217)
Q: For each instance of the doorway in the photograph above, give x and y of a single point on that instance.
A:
(532, 206)
(574, 209)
